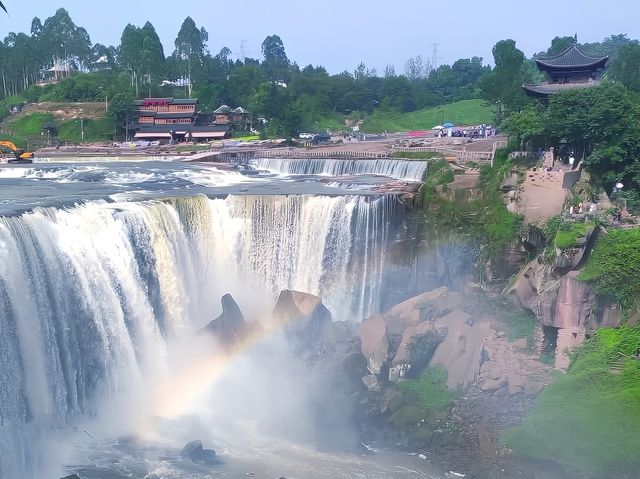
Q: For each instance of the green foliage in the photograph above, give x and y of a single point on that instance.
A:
(528, 124)
(94, 130)
(589, 419)
(466, 112)
(503, 85)
(568, 234)
(31, 124)
(421, 407)
(518, 323)
(486, 221)
(614, 266)
(626, 67)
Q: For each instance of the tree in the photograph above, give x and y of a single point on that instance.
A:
(191, 51)
(416, 68)
(626, 67)
(152, 60)
(560, 44)
(503, 85)
(275, 63)
(273, 50)
(64, 41)
(130, 43)
(526, 125)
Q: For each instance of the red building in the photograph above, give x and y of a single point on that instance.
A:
(172, 119)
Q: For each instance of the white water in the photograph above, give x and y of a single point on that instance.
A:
(90, 295)
(399, 169)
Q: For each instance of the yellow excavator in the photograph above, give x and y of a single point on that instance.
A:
(21, 156)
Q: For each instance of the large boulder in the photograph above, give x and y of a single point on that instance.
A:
(230, 327)
(305, 318)
(375, 343)
(460, 353)
(195, 451)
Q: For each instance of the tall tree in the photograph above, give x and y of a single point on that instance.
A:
(152, 54)
(191, 50)
(503, 85)
(626, 67)
(275, 61)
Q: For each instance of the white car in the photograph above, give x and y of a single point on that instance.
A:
(306, 136)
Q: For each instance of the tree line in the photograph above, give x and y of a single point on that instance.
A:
(272, 86)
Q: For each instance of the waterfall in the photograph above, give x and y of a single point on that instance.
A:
(89, 295)
(399, 169)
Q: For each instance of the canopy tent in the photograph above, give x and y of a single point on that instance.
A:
(448, 125)
(438, 127)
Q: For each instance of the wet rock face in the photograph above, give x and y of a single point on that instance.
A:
(305, 319)
(196, 452)
(230, 327)
(375, 343)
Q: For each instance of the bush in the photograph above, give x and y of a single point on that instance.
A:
(589, 419)
(568, 234)
(614, 266)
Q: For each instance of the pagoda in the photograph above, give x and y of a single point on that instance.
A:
(567, 70)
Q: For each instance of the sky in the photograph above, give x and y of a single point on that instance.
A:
(339, 34)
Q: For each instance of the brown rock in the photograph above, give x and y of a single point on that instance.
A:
(532, 389)
(304, 317)
(492, 385)
(375, 343)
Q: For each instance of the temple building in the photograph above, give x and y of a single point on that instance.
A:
(570, 69)
(172, 119)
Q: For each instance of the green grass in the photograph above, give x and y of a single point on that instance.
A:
(94, 130)
(246, 138)
(417, 155)
(589, 420)
(568, 234)
(614, 267)
(29, 126)
(518, 323)
(466, 112)
(421, 407)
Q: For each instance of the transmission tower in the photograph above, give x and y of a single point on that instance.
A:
(243, 51)
(434, 57)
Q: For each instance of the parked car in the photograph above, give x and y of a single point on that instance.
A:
(306, 136)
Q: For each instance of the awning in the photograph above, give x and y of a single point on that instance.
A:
(152, 135)
(208, 134)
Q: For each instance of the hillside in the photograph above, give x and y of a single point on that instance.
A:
(466, 112)
(25, 128)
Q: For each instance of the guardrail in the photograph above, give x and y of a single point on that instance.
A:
(341, 154)
(462, 156)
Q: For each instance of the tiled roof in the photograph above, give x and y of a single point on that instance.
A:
(222, 110)
(546, 89)
(572, 57)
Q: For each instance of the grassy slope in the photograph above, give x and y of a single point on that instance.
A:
(466, 112)
(29, 127)
(589, 419)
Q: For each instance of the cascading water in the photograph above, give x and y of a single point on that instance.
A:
(399, 169)
(89, 295)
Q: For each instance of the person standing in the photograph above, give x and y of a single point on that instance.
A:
(572, 160)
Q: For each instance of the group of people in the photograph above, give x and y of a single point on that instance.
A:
(581, 208)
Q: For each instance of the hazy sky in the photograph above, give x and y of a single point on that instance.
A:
(338, 34)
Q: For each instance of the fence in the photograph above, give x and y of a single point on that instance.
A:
(346, 154)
